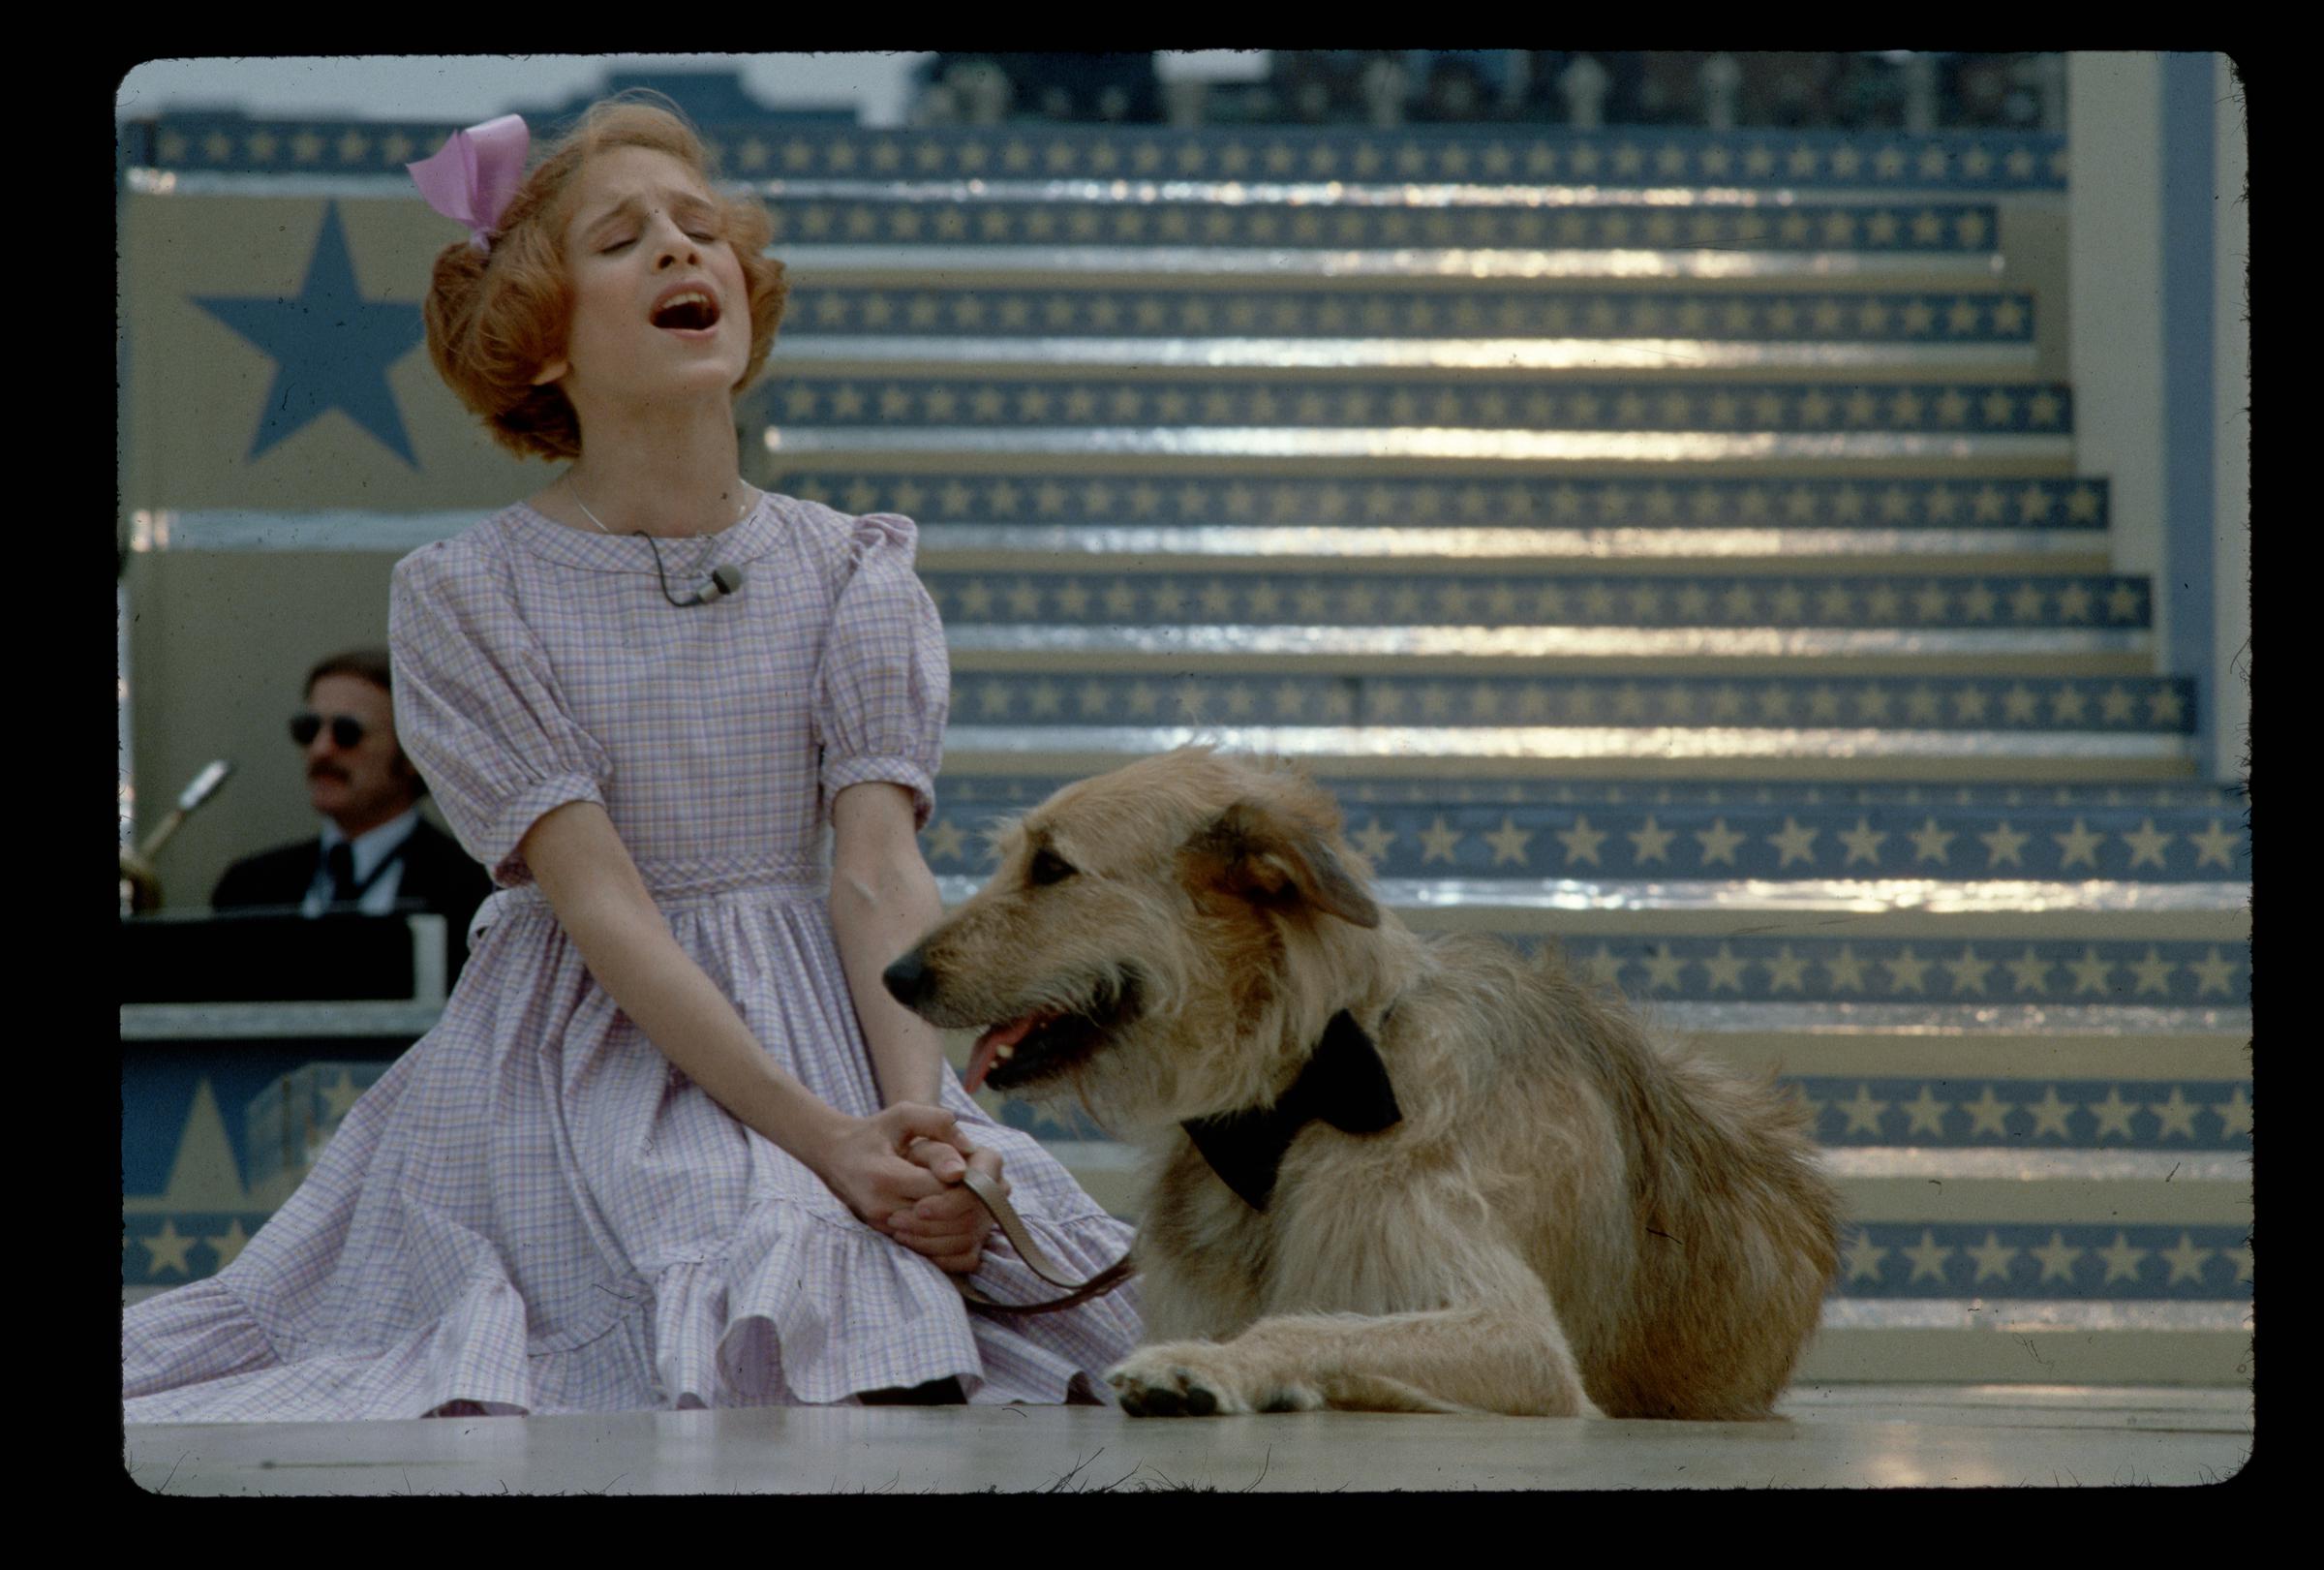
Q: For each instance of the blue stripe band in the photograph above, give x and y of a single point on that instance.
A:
(2189, 226)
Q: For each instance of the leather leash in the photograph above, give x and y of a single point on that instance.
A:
(1013, 1227)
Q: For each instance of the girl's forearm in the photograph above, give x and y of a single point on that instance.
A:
(877, 914)
(698, 1028)
(605, 907)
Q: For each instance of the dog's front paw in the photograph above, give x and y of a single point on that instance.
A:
(1204, 1379)
(1178, 1380)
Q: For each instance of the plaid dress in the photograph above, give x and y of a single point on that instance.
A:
(533, 1211)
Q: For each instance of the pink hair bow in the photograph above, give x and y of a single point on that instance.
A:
(476, 174)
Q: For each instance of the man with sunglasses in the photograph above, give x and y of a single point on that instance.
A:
(376, 854)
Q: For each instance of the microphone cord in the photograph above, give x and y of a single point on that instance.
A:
(682, 605)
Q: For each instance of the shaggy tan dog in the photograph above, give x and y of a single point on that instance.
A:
(1553, 1215)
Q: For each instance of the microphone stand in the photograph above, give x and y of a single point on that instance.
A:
(141, 885)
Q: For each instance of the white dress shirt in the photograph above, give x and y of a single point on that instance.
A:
(370, 848)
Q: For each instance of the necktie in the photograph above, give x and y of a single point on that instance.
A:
(340, 860)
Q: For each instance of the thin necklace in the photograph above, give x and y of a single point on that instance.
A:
(739, 510)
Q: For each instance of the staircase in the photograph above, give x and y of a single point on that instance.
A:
(1671, 545)
(1679, 556)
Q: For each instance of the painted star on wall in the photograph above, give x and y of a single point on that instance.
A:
(331, 348)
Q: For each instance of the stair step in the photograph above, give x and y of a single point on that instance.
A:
(1391, 549)
(1756, 653)
(1641, 838)
(1275, 691)
(1363, 451)
(2209, 1201)
(1749, 953)
(1035, 265)
(2198, 799)
(1646, 361)
(1183, 400)
(1824, 755)
(977, 547)
(2197, 1046)
(2183, 1145)
(1186, 521)
(2000, 1341)
(1147, 592)
(1904, 507)
(2085, 1267)
(1388, 219)
(1985, 317)
(1528, 157)
(1629, 837)
(1460, 500)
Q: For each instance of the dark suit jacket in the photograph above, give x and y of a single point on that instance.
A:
(438, 875)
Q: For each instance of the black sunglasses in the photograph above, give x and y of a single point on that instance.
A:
(345, 729)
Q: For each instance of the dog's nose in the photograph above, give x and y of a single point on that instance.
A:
(907, 979)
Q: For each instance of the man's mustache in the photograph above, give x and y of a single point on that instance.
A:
(327, 771)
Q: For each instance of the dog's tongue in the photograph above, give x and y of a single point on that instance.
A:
(986, 1051)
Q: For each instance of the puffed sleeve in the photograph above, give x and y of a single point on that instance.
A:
(477, 707)
(886, 682)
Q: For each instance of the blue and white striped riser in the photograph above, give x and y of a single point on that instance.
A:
(1011, 399)
(1053, 316)
(1140, 592)
(1970, 162)
(2011, 1233)
(1634, 832)
(1394, 222)
(1096, 500)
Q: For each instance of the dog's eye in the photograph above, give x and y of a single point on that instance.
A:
(1049, 867)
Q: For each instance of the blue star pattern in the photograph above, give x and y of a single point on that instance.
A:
(935, 499)
(333, 349)
(2119, 1114)
(177, 1246)
(1480, 313)
(1902, 228)
(806, 400)
(1520, 599)
(2017, 1260)
(1647, 835)
(2157, 704)
(1966, 161)
(1018, 790)
(1927, 970)
(275, 1111)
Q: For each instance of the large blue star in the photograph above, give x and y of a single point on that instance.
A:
(330, 346)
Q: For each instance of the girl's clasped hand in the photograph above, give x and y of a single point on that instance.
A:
(899, 1171)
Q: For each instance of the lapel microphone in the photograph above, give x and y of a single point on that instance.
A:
(724, 580)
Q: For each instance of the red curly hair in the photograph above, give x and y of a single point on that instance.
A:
(495, 319)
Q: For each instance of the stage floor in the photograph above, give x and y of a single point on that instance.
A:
(1839, 1436)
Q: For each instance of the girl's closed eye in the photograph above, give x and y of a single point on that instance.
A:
(707, 238)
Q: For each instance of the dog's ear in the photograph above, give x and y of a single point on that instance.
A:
(1273, 860)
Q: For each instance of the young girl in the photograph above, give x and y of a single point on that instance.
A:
(671, 1144)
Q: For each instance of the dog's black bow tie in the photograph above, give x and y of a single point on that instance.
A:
(1344, 1084)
